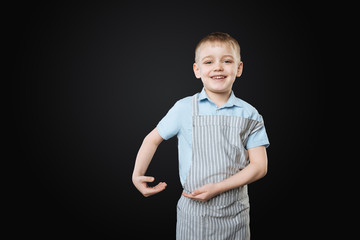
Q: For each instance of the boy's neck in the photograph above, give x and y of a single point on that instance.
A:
(218, 98)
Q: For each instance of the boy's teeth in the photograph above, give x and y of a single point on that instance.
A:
(218, 77)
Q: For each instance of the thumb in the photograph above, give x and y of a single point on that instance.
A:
(196, 192)
(147, 179)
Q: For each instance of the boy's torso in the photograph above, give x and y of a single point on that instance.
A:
(178, 122)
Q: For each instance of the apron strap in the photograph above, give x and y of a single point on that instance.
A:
(195, 105)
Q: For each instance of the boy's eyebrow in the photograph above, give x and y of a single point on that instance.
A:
(210, 56)
(228, 56)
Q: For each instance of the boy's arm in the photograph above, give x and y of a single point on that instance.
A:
(143, 159)
(256, 169)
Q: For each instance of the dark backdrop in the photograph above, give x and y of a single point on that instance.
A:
(89, 81)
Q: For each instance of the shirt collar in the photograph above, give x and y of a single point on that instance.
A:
(233, 100)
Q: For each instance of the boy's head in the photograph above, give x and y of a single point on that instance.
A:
(220, 38)
(218, 62)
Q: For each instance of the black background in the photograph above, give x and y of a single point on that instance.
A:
(89, 81)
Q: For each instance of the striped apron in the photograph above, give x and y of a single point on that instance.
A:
(218, 152)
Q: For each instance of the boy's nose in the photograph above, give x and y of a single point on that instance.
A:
(218, 67)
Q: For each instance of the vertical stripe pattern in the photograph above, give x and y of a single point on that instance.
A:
(218, 153)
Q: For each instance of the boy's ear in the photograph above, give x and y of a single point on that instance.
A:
(240, 69)
(196, 70)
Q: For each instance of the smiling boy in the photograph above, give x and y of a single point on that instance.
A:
(221, 144)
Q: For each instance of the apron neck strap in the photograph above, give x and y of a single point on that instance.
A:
(195, 104)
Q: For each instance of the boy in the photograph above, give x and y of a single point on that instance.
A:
(222, 147)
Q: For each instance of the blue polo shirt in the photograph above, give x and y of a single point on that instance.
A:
(178, 121)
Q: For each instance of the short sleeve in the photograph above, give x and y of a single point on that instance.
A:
(258, 136)
(170, 125)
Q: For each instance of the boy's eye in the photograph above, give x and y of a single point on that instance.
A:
(228, 61)
(207, 62)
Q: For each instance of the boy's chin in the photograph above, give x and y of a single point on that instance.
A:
(218, 90)
(218, 87)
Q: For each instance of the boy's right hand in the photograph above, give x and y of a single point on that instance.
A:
(140, 183)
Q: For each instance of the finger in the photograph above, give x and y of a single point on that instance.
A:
(153, 190)
(196, 192)
(160, 185)
(199, 197)
(147, 179)
(188, 195)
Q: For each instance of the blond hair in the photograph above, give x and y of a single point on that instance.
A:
(221, 38)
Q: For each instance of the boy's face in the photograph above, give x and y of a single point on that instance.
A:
(217, 65)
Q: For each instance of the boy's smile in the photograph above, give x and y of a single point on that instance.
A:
(218, 77)
(218, 65)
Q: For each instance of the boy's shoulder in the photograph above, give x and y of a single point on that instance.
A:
(245, 105)
(184, 102)
(250, 110)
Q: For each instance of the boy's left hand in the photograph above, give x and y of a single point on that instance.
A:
(203, 193)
